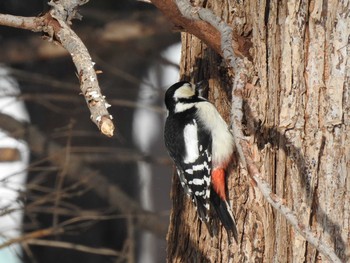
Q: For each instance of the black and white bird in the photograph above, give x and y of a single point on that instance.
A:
(201, 146)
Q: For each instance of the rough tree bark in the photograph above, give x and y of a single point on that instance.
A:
(297, 119)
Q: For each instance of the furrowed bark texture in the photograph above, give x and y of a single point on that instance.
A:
(297, 120)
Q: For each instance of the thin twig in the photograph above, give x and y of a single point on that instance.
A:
(67, 98)
(41, 79)
(35, 234)
(130, 242)
(60, 177)
(74, 246)
(239, 67)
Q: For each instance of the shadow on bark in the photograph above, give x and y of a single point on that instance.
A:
(265, 135)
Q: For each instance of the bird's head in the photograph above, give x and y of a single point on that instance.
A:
(181, 92)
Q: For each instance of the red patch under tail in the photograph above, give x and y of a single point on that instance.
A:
(218, 182)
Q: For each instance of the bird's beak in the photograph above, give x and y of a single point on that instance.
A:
(200, 87)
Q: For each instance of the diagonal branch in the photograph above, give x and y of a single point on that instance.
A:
(32, 235)
(239, 67)
(56, 23)
(201, 29)
(78, 247)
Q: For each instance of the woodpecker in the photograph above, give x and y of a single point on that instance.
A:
(201, 146)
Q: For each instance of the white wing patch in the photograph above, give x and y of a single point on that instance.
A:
(191, 142)
(181, 107)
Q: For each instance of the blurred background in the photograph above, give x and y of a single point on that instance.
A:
(68, 193)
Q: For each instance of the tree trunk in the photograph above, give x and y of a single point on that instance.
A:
(297, 121)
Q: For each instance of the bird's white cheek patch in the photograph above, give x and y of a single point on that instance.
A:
(191, 142)
(181, 107)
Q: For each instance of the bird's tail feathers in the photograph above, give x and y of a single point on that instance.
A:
(223, 210)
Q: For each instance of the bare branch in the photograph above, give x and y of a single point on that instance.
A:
(77, 247)
(56, 25)
(201, 29)
(48, 97)
(85, 67)
(34, 24)
(240, 80)
(61, 176)
(35, 234)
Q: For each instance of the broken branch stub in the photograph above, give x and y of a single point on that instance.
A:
(59, 29)
(55, 24)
